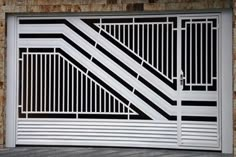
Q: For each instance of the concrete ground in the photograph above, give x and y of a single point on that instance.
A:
(24, 151)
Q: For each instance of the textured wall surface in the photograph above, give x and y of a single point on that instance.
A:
(77, 6)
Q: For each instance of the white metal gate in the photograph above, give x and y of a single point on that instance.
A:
(143, 81)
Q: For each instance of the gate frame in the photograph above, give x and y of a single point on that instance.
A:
(226, 79)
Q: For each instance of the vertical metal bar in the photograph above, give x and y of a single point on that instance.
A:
(41, 82)
(63, 85)
(105, 101)
(153, 59)
(206, 71)
(58, 83)
(179, 86)
(86, 92)
(157, 47)
(77, 92)
(31, 81)
(172, 51)
(190, 53)
(108, 103)
(123, 33)
(114, 104)
(119, 104)
(27, 81)
(91, 95)
(138, 50)
(68, 84)
(95, 96)
(49, 88)
(54, 81)
(128, 111)
(36, 82)
(119, 32)
(147, 43)
(124, 106)
(110, 99)
(105, 27)
(167, 49)
(196, 51)
(114, 30)
(72, 89)
(86, 99)
(45, 83)
(128, 31)
(22, 80)
(115, 108)
(211, 55)
(100, 99)
(133, 35)
(162, 48)
(201, 53)
(143, 41)
(81, 91)
(185, 51)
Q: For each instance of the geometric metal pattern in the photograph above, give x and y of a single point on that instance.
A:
(142, 79)
(119, 80)
(152, 39)
(52, 86)
(199, 53)
(136, 38)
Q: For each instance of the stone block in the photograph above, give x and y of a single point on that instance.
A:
(98, 2)
(2, 44)
(10, 2)
(202, 5)
(216, 4)
(33, 8)
(2, 2)
(117, 7)
(154, 7)
(21, 2)
(85, 8)
(133, 1)
(2, 16)
(20, 9)
(99, 7)
(75, 8)
(234, 54)
(111, 1)
(133, 7)
(66, 8)
(50, 8)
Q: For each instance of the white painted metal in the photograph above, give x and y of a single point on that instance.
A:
(157, 132)
(11, 83)
(97, 132)
(227, 82)
(197, 138)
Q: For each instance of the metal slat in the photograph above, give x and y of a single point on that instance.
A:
(93, 130)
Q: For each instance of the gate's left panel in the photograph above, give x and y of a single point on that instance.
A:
(76, 87)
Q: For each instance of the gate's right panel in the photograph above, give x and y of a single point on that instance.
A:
(199, 81)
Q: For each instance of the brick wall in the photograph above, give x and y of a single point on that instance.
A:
(69, 6)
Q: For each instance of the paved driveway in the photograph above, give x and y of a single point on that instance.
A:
(101, 152)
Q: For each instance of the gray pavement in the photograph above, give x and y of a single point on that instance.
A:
(23, 151)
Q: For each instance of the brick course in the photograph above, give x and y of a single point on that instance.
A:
(70, 6)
